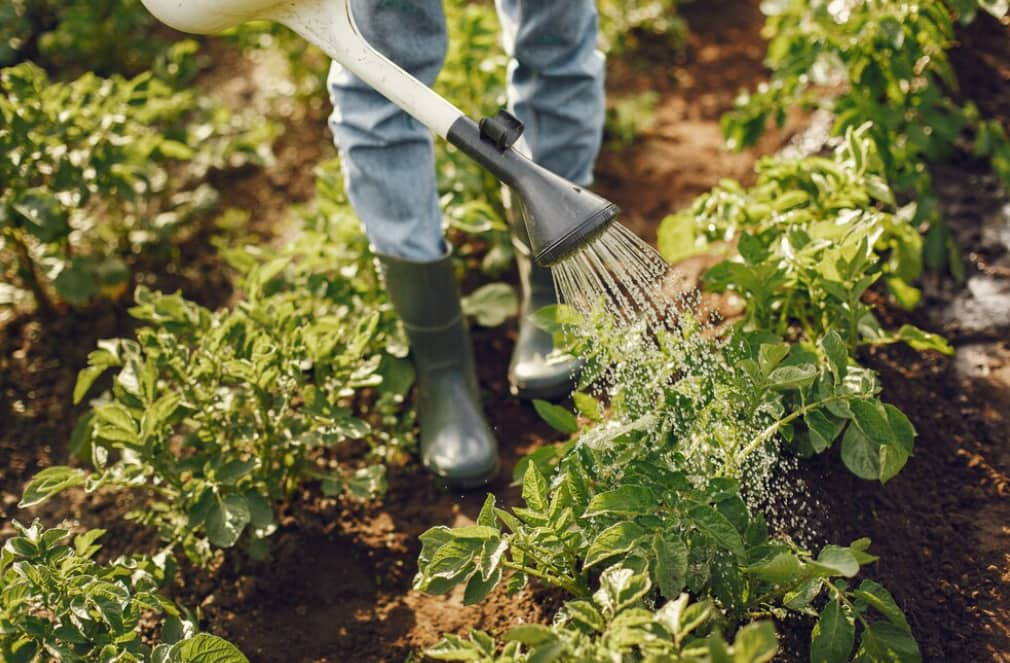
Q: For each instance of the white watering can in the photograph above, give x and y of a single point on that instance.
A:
(560, 216)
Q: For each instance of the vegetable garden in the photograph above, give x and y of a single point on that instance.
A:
(207, 436)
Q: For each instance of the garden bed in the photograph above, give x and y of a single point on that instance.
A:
(339, 584)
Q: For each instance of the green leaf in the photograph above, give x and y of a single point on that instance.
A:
(671, 564)
(205, 648)
(838, 561)
(492, 304)
(397, 375)
(892, 460)
(771, 355)
(922, 340)
(907, 296)
(261, 512)
(781, 569)
(454, 648)
(886, 642)
(837, 353)
(48, 482)
(478, 588)
(530, 634)
(535, 489)
(486, 517)
(676, 239)
(872, 420)
(556, 416)
(41, 214)
(626, 500)
(587, 406)
(115, 423)
(586, 613)
(227, 519)
(717, 527)
(616, 540)
(860, 454)
(234, 470)
(755, 643)
(881, 599)
(76, 283)
(801, 597)
(793, 377)
(833, 636)
(622, 586)
(823, 429)
(85, 379)
(367, 483)
(901, 428)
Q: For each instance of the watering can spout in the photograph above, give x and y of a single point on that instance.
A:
(560, 216)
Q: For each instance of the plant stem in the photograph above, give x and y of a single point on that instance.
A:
(767, 433)
(564, 583)
(34, 280)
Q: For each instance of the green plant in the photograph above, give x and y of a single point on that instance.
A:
(654, 486)
(57, 603)
(883, 62)
(107, 36)
(218, 416)
(630, 117)
(92, 175)
(614, 627)
(623, 21)
(812, 235)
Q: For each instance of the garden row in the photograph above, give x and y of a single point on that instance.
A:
(649, 518)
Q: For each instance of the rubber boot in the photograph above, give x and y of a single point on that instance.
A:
(457, 445)
(533, 372)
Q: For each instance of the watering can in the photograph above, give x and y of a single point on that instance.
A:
(560, 216)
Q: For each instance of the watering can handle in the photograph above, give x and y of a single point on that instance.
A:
(329, 24)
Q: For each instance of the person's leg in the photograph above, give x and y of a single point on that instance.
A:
(555, 87)
(389, 168)
(555, 81)
(388, 156)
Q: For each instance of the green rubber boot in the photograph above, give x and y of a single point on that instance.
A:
(456, 443)
(533, 372)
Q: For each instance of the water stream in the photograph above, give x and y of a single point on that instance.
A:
(620, 273)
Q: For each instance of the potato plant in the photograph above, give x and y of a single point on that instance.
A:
(108, 36)
(58, 603)
(812, 235)
(93, 176)
(219, 416)
(612, 626)
(622, 22)
(665, 483)
(884, 62)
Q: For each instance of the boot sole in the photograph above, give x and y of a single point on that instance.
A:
(465, 484)
(548, 393)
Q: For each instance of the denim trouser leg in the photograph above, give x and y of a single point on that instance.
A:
(555, 88)
(388, 156)
(555, 81)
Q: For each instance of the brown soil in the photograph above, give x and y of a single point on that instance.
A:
(338, 587)
(683, 154)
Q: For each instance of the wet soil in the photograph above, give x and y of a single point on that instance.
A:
(338, 586)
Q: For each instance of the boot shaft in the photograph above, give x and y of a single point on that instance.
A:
(426, 297)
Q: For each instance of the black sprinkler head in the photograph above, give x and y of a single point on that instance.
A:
(560, 216)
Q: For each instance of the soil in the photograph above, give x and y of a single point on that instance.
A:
(338, 586)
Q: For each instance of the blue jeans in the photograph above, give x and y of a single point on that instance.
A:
(555, 87)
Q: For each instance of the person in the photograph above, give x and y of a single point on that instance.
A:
(555, 88)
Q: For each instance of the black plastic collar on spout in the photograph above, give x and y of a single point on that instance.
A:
(560, 216)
